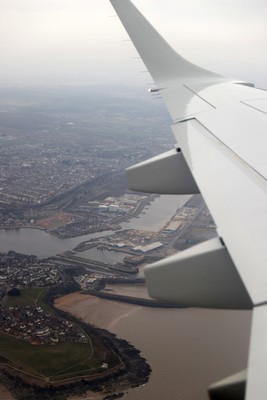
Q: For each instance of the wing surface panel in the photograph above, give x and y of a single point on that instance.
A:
(236, 196)
(225, 94)
(243, 130)
(183, 103)
(258, 104)
(190, 98)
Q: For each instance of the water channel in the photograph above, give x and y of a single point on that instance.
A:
(44, 244)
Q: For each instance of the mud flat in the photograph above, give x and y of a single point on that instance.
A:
(94, 310)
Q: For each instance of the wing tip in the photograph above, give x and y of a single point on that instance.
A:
(163, 62)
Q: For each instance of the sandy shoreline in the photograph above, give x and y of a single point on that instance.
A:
(99, 312)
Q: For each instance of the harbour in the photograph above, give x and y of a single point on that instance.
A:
(44, 244)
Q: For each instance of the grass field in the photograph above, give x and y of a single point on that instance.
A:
(52, 361)
(62, 360)
(28, 297)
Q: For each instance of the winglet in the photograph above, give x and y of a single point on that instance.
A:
(163, 63)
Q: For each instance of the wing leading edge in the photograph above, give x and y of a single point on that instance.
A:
(160, 59)
(220, 126)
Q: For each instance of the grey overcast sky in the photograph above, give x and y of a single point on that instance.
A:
(77, 42)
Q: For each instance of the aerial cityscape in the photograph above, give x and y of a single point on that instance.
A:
(63, 156)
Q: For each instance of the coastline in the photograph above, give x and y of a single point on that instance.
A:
(132, 371)
(94, 310)
(98, 312)
(203, 345)
(110, 315)
(85, 306)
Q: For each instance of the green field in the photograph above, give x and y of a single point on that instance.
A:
(28, 297)
(52, 362)
(44, 361)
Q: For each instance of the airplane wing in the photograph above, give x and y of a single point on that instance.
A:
(220, 126)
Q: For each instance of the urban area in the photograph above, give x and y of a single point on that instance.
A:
(63, 155)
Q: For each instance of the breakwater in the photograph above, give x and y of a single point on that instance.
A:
(133, 300)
